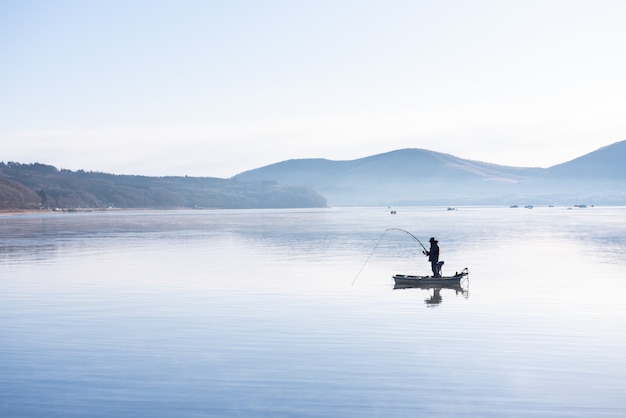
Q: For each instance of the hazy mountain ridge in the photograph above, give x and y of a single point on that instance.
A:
(604, 163)
(36, 186)
(402, 177)
(418, 176)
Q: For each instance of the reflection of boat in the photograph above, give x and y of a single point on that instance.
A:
(404, 280)
(434, 284)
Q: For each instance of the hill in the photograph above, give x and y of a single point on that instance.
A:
(35, 186)
(602, 164)
(423, 177)
(401, 177)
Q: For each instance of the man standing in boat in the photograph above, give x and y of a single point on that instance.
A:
(433, 256)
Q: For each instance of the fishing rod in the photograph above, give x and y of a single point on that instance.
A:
(416, 239)
(376, 246)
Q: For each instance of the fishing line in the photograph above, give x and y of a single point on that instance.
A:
(368, 258)
(376, 246)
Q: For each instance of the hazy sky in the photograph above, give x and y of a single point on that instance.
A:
(213, 88)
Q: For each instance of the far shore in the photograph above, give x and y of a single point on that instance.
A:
(62, 210)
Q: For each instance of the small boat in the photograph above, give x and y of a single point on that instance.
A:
(417, 281)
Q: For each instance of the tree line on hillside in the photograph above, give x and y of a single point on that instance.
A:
(41, 186)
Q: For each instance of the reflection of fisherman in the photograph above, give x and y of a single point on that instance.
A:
(433, 256)
(435, 299)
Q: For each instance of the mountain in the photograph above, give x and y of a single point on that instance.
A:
(34, 186)
(423, 177)
(401, 177)
(602, 164)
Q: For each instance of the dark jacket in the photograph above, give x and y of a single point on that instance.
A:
(433, 254)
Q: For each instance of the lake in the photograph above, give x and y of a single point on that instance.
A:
(293, 313)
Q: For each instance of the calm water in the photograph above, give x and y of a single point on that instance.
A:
(252, 314)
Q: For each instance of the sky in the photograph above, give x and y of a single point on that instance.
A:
(214, 88)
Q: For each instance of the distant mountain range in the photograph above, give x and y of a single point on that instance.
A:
(423, 177)
(396, 178)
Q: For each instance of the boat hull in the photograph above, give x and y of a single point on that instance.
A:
(419, 281)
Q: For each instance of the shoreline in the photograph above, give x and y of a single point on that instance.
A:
(63, 210)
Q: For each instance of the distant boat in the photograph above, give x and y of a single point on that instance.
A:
(514, 206)
(451, 208)
(529, 206)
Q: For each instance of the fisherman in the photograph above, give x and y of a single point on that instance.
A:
(433, 257)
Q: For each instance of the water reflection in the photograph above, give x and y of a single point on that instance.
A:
(435, 298)
(98, 310)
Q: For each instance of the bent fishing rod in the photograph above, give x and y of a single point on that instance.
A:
(414, 237)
